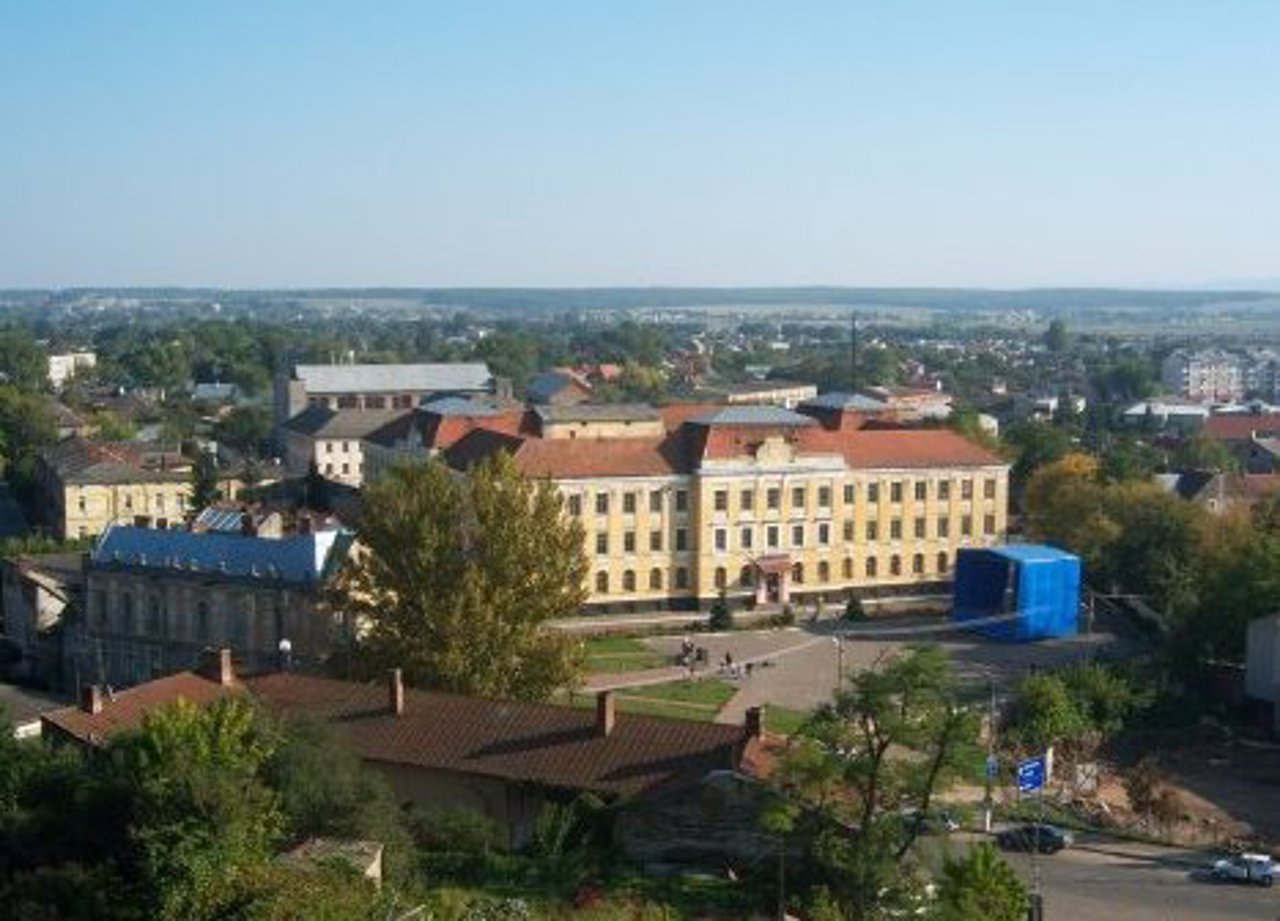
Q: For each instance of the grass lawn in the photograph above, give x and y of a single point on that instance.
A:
(685, 700)
(614, 654)
(783, 720)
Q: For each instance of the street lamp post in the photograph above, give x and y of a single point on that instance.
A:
(839, 662)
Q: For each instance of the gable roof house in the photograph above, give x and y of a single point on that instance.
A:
(86, 485)
(502, 759)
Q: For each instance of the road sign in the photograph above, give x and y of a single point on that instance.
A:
(993, 766)
(1031, 774)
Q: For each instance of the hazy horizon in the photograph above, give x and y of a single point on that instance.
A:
(283, 145)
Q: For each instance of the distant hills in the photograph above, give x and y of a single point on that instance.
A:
(1265, 296)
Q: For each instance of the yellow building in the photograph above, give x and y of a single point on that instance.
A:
(88, 485)
(767, 504)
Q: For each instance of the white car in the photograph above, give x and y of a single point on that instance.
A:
(1258, 869)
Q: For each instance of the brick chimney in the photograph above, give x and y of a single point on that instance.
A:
(606, 714)
(91, 699)
(216, 666)
(755, 722)
(395, 691)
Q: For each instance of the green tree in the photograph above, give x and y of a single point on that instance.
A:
(22, 362)
(325, 790)
(462, 576)
(245, 428)
(1055, 337)
(1201, 453)
(720, 618)
(1045, 714)
(1036, 444)
(204, 482)
(891, 740)
(981, 886)
(200, 811)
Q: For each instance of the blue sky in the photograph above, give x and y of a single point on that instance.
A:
(645, 143)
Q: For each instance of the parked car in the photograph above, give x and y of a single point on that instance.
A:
(1034, 836)
(1258, 869)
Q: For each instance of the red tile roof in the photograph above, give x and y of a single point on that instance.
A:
(124, 712)
(537, 743)
(688, 443)
(1242, 427)
(878, 448)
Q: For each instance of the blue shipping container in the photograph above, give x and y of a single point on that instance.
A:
(1033, 589)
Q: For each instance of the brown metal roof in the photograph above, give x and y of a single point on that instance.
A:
(545, 744)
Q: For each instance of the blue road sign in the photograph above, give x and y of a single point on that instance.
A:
(1031, 774)
(993, 766)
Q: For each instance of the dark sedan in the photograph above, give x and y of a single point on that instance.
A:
(1047, 839)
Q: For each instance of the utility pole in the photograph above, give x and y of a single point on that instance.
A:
(988, 802)
(853, 353)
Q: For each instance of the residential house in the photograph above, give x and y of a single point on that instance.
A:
(502, 759)
(559, 386)
(331, 440)
(87, 485)
(63, 367)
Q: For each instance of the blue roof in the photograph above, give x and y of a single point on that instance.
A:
(1031, 553)
(462, 406)
(754, 415)
(850, 401)
(302, 559)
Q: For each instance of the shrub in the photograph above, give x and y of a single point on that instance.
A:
(853, 609)
(721, 617)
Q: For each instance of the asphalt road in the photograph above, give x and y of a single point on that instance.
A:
(1141, 883)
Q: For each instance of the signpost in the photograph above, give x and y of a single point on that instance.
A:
(1031, 774)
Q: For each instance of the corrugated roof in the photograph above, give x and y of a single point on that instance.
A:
(754, 415)
(553, 746)
(323, 422)
(81, 460)
(440, 377)
(466, 406)
(599, 412)
(301, 559)
(126, 709)
(855, 402)
(544, 744)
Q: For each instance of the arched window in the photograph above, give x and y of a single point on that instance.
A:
(126, 612)
(722, 577)
(797, 573)
(917, 564)
(202, 621)
(153, 615)
(824, 571)
(629, 581)
(602, 582)
(872, 566)
(848, 567)
(655, 579)
(895, 565)
(944, 562)
(747, 576)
